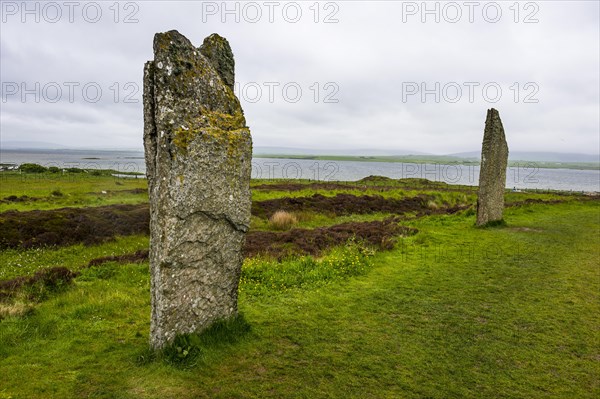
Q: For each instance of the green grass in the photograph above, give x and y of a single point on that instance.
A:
(19, 262)
(310, 220)
(76, 190)
(454, 311)
(268, 277)
(399, 193)
(82, 190)
(451, 194)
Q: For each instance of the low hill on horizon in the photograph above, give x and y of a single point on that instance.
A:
(265, 151)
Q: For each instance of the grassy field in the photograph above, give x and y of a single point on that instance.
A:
(51, 191)
(453, 311)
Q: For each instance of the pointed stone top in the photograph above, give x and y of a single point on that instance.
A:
(215, 37)
(494, 129)
(218, 52)
(171, 38)
(215, 49)
(493, 112)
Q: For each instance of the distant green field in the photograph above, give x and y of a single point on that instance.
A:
(49, 191)
(434, 159)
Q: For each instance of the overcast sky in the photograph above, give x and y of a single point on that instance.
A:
(332, 75)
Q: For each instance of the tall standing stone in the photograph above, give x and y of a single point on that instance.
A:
(492, 174)
(198, 158)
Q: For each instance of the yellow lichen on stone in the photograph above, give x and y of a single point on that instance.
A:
(224, 128)
(225, 121)
(182, 138)
(227, 129)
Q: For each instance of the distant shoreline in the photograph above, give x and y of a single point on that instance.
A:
(433, 159)
(118, 156)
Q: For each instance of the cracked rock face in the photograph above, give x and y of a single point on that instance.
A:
(198, 157)
(492, 175)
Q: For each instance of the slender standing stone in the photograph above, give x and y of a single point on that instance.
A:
(492, 175)
(198, 158)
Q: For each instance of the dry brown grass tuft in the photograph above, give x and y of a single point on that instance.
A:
(432, 205)
(282, 220)
(16, 309)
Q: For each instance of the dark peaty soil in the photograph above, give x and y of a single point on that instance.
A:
(68, 226)
(341, 204)
(379, 234)
(49, 278)
(93, 225)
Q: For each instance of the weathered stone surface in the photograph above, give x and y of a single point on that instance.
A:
(216, 49)
(492, 175)
(198, 158)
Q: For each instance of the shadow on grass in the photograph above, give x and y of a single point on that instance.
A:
(493, 224)
(191, 350)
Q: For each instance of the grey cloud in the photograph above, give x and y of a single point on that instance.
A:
(369, 54)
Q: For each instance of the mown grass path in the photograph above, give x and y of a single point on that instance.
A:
(452, 312)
